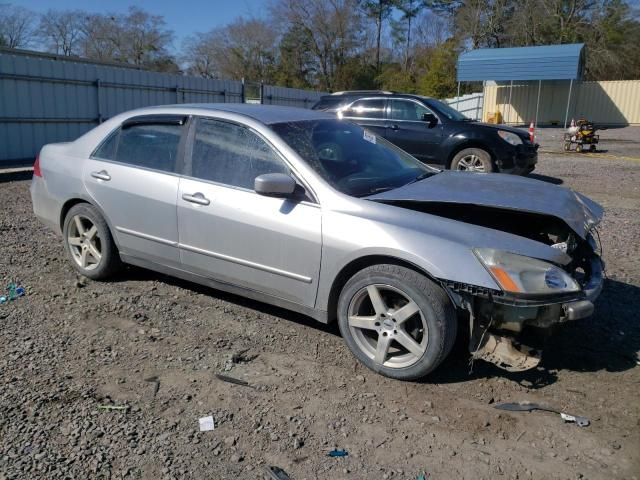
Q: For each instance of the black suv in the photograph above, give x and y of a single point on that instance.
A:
(435, 133)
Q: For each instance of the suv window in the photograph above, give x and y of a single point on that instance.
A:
(407, 110)
(231, 154)
(148, 145)
(373, 108)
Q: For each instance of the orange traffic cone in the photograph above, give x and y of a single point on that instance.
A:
(532, 133)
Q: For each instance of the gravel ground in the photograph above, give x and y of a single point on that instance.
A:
(153, 344)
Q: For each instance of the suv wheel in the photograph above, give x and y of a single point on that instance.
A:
(89, 244)
(396, 321)
(472, 160)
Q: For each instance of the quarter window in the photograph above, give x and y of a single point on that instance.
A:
(406, 110)
(150, 146)
(107, 149)
(231, 154)
(366, 109)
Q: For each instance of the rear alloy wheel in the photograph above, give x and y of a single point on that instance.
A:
(89, 244)
(396, 321)
(472, 160)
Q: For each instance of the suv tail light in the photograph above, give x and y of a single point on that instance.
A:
(36, 167)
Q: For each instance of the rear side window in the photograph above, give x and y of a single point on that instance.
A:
(107, 149)
(150, 146)
(230, 154)
(366, 109)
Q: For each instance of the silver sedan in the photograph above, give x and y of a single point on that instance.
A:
(318, 215)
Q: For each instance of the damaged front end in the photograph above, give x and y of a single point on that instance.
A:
(536, 242)
(499, 320)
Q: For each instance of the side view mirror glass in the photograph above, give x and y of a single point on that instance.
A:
(431, 119)
(274, 185)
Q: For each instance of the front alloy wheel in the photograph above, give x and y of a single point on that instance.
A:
(472, 160)
(396, 321)
(388, 326)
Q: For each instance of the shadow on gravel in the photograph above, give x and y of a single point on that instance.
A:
(141, 274)
(608, 341)
(15, 176)
(546, 178)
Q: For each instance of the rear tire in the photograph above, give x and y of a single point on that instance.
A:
(396, 321)
(472, 160)
(89, 244)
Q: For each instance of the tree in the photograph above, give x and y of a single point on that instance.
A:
(295, 62)
(379, 10)
(409, 9)
(16, 26)
(137, 37)
(242, 49)
(145, 39)
(439, 81)
(61, 31)
(334, 33)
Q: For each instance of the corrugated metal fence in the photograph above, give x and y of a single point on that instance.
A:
(292, 97)
(606, 103)
(45, 98)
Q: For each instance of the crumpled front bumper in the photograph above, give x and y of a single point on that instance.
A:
(497, 323)
(584, 308)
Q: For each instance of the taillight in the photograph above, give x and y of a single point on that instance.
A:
(36, 167)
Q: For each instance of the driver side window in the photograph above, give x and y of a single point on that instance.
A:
(407, 110)
(231, 154)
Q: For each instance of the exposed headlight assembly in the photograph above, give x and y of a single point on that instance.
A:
(510, 137)
(519, 274)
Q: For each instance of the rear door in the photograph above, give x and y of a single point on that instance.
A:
(369, 113)
(410, 132)
(230, 233)
(133, 178)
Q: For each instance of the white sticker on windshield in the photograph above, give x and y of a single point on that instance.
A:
(369, 137)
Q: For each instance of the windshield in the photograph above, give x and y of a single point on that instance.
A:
(353, 160)
(447, 111)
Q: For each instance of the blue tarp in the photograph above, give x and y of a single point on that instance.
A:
(549, 62)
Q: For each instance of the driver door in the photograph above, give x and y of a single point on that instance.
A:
(230, 233)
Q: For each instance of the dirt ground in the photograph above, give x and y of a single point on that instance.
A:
(153, 344)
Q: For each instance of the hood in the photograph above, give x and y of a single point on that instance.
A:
(504, 192)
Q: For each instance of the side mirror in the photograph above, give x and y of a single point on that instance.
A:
(274, 185)
(430, 118)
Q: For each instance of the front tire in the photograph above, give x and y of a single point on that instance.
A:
(89, 244)
(472, 160)
(396, 321)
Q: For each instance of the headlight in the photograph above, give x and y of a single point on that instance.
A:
(519, 274)
(510, 137)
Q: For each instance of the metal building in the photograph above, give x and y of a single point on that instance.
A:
(549, 62)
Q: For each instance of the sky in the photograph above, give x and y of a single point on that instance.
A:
(184, 17)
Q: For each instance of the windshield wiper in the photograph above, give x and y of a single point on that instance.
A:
(379, 190)
(422, 176)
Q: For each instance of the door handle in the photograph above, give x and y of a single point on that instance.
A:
(101, 175)
(197, 197)
(394, 127)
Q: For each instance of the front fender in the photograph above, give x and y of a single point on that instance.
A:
(439, 257)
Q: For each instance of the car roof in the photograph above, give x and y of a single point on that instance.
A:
(374, 93)
(267, 114)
